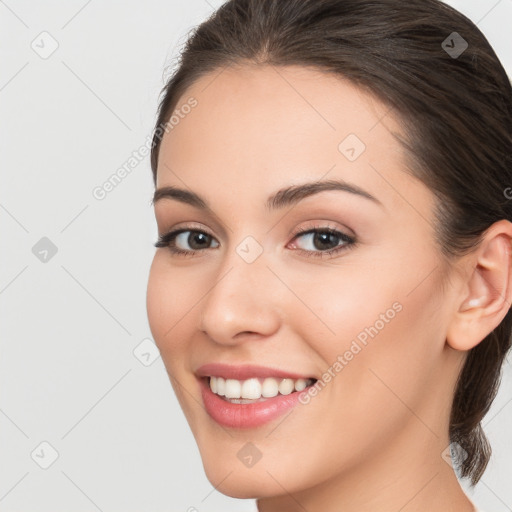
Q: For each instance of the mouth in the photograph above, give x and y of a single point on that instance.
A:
(249, 396)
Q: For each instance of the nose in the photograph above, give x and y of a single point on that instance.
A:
(242, 303)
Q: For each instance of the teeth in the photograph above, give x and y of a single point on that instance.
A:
(251, 389)
(269, 388)
(286, 386)
(233, 388)
(300, 384)
(256, 388)
(221, 387)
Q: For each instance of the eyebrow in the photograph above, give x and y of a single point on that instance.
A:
(284, 197)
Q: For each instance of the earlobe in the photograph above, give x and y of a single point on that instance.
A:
(488, 290)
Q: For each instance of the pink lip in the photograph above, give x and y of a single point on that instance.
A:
(246, 415)
(243, 372)
(252, 415)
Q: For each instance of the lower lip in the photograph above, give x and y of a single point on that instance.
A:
(253, 415)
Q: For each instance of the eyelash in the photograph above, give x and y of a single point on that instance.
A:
(168, 239)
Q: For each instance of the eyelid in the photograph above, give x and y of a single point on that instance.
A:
(318, 225)
(166, 216)
(323, 225)
(192, 226)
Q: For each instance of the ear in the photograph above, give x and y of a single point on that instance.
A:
(487, 293)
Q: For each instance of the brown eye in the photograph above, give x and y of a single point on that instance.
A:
(195, 239)
(323, 241)
(185, 241)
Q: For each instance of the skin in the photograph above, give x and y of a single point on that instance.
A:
(373, 437)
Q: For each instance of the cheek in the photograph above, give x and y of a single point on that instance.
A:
(339, 305)
(375, 319)
(380, 294)
(169, 303)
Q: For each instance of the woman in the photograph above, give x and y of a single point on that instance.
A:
(331, 289)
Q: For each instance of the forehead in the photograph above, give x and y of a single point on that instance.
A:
(261, 127)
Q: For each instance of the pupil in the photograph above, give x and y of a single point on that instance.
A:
(193, 237)
(323, 238)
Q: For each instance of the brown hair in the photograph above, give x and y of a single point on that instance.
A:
(456, 111)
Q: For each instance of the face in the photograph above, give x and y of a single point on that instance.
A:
(279, 285)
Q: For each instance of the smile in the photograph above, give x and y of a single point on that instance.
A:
(249, 396)
(256, 388)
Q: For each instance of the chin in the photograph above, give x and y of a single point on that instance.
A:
(243, 484)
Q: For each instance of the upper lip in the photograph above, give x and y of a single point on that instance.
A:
(245, 371)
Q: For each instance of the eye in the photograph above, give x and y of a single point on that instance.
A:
(176, 241)
(322, 241)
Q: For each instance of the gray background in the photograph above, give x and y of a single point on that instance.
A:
(72, 326)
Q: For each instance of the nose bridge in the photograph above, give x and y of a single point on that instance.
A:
(240, 297)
